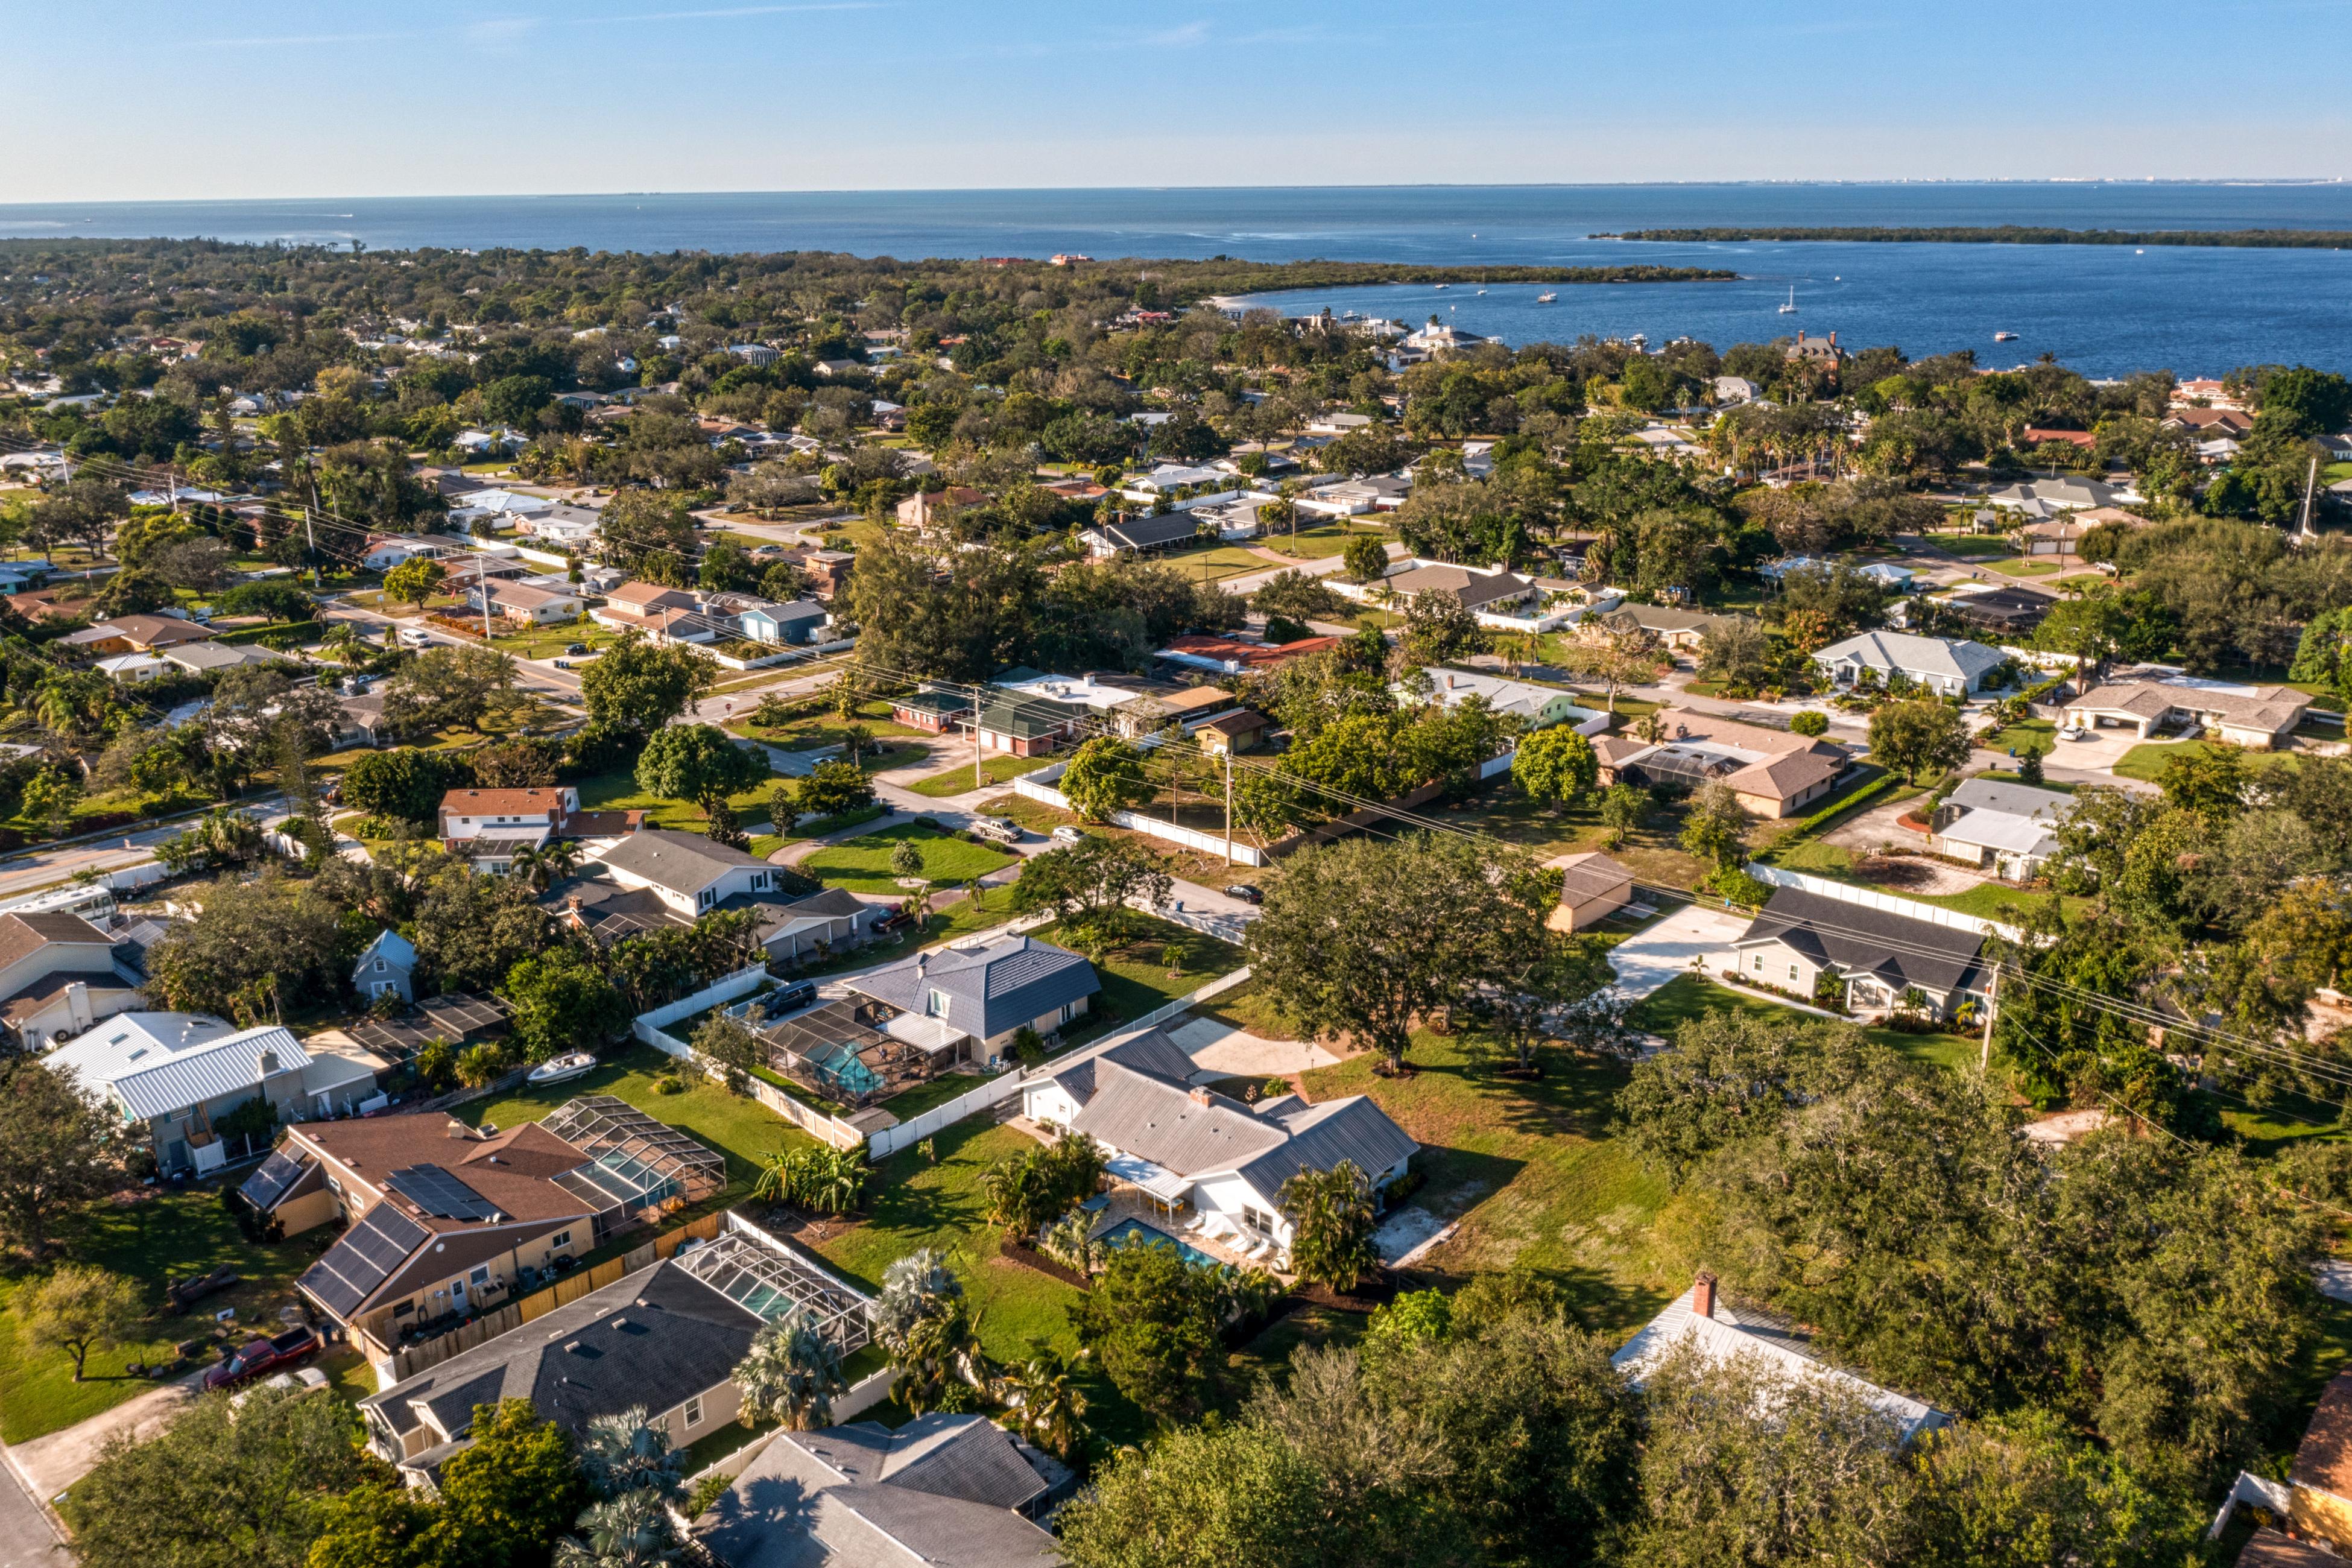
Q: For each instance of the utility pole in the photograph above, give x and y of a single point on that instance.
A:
(2310, 482)
(1229, 807)
(976, 780)
(1984, 1054)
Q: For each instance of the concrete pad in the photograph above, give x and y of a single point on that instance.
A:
(1404, 1231)
(55, 1462)
(1663, 953)
(1220, 1050)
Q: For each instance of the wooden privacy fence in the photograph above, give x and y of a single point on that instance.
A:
(406, 1360)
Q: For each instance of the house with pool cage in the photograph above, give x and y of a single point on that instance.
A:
(668, 1339)
(444, 1221)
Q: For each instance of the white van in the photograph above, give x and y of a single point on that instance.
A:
(415, 636)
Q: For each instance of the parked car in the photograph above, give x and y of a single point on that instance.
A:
(1005, 830)
(308, 1380)
(257, 1357)
(1245, 893)
(415, 636)
(792, 998)
(575, 648)
(1065, 834)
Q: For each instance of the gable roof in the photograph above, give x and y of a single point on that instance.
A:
(1855, 938)
(1012, 981)
(218, 1066)
(682, 862)
(1472, 588)
(2272, 708)
(1729, 1334)
(1584, 878)
(23, 935)
(130, 1041)
(1143, 533)
(2011, 799)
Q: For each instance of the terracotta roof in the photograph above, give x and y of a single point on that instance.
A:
(502, 802)
(2324, 1461)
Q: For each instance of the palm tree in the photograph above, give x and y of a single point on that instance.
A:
(934, 1350)
(633, 1529)
(1051, 1409)
(791, 1375)
(540, 868)
(625, 1452)
(918, 1286)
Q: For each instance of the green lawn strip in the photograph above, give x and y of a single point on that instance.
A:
(1134, 974)
(1311, 543)
(1974, 546)
(957, 780)
(812, 731)
(952, 922)
(862, 863)
(907, 1105)
(2023, 567)
(163, 1234)
(2147, 761)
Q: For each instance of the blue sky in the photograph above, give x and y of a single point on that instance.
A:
(146, 100)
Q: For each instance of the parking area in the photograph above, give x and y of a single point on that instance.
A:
(1664, 952)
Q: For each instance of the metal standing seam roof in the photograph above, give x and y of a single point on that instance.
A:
(221, 1067)
(1355, 1130)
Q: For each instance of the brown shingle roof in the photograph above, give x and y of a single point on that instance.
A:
(21, 936)
(2324, 1461)
(514, 1171)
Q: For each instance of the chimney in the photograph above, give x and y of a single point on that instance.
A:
(269, 1063)
(457, 1128)
(1703, 1295)
(1832, 339)
(1200, 1094)
(1800, 334)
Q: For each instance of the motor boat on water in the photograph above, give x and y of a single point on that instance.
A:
(564, 1068)
(1546, 298)
(2005, 337)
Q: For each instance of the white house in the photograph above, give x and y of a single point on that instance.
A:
(1537, 707)
(689, 872)
(1944, 666)
(58, 976)
(2261, 717)
(1876, 958)
(1986, 822)
(1184, 1145)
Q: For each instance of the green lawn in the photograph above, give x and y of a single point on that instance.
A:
(619, 792)
(862, 863)
(2022, 567)
(2026, 734)
(998, 770)
(156, 1236)
(741, 1129)
(1973, 546)
(1134, 974)
(813, 731)
(1325, 539)
(2146, 762)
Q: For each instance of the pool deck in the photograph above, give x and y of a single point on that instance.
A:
(1131, 1203)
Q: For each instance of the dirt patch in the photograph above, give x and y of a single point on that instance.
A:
(1914, 874)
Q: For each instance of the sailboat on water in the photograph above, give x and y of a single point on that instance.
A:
(1791, 308)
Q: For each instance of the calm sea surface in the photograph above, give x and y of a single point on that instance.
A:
(2105, 310)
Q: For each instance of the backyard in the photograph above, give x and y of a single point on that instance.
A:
(619, 792)
(998, 770)
(822, 728)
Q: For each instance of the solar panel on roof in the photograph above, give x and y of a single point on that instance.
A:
(364, 1259)
(277, 1173)
(439, 1192)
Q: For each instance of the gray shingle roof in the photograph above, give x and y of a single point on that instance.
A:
(1914, 655)
(2011, 799)
(1152, 1054)
(682, 862)
(1008, 983)
(942, 1490)
(654, 1339)
(1855, 938)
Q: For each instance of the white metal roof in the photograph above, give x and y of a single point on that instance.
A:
(217, 1067)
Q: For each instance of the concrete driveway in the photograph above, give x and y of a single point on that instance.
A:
(1648, 961)
(1220, 1050)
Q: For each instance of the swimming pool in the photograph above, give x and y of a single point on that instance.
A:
(1126, 1230)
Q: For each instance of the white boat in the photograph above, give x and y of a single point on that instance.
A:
(1438, 285)
(2005, 337)
(1791, 308)
(1481, 290)
(1546, 298)
(564, 1068)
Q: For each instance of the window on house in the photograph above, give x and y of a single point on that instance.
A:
(559, 1241)
(1069, 1011)
(694, 1411)
(479, 1277)
(379, 966)
(1792, 972)
(937, 1004)
(1759, 964)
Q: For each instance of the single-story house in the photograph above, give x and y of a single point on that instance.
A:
(133, 668)
(662, 1339)
(1493, 592)
(1182, 1143)
(2006, 827)
(1027, 726)
(171, 1075)
(923, 508)
(691, 873)
(1141, 535)
(1535, 707)
(1700, 1320)
(59, 976)
(2056, 495)
(766, 621)
(1591, 887)
(817, 926)
(2010, 611)
(2261, 717)
(1236, 729)
(521, 602)
(934, 711)
(1775, 772)
(1679, 631)
(643, 606)
(1232, 656)
(950, 1491)
(1944, 666)
(562, 525)
(1354, 498)
(136, 633)
(988, 991)
(1800, 939)
(205, 658)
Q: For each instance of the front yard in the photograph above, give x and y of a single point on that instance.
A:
(150, 1236)
(997, 770)
(862, 863)
(619, 792)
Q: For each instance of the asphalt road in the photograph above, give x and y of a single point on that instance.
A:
(26, 1540)
(538, 675)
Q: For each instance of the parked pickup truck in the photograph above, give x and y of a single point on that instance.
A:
(257, 1358)
(183, 1294)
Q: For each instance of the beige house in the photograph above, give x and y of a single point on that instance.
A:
(1775, 772)
(2261, 717)
(58, 976)
(643, 607)
(1591, 887)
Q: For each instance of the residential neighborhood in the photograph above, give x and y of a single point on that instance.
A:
(778, 908)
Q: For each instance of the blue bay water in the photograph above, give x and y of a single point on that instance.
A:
(2103, 310)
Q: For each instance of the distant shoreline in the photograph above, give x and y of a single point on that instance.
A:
(2007, 234)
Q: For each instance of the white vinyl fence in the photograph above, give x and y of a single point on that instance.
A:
(1847, 892)
(647, 1026)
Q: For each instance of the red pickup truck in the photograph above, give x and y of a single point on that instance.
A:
(257, 1357)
